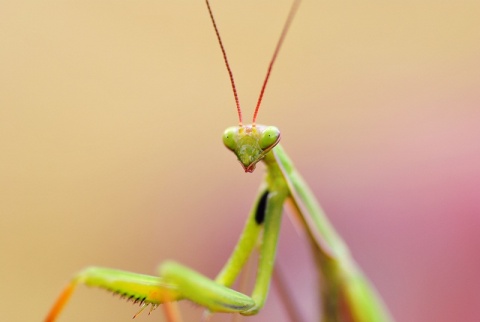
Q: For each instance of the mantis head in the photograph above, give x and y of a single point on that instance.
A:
(251, 143)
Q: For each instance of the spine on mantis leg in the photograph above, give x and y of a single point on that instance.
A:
(143, 289)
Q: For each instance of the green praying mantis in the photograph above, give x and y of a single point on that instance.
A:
(346, 293)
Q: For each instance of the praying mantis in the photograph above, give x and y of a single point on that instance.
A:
(346, 293)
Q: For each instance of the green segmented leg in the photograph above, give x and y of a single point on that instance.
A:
(177, 282)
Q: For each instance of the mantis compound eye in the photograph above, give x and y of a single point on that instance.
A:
(229, 138)
(270, 136)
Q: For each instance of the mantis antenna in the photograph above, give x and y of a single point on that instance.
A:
(224, 53)
(291, 14)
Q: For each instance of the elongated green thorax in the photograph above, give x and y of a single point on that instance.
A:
(250, 143)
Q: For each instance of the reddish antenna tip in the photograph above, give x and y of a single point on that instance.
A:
(291, 14)
(230, 74)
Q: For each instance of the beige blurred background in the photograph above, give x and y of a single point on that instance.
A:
(111, 114)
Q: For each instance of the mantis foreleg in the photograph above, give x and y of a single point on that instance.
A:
(176, 282)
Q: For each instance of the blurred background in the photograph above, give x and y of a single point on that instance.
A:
(111, 115)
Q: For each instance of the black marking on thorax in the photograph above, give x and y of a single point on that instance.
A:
(261, 208)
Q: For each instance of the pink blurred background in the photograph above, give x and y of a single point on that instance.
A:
(111, 114)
